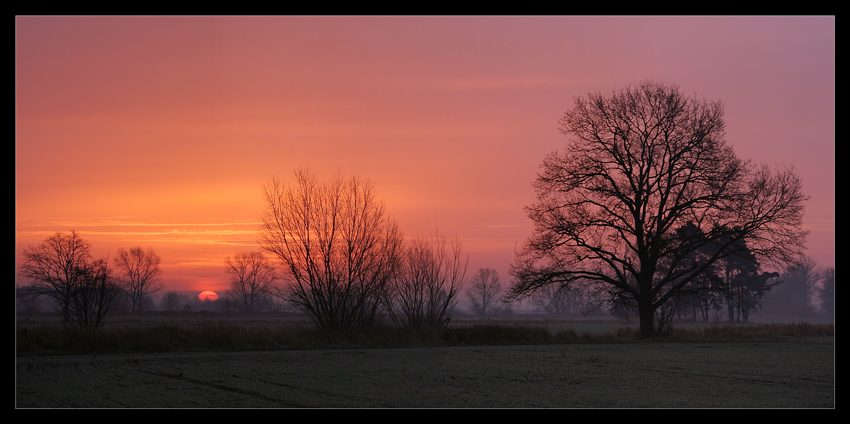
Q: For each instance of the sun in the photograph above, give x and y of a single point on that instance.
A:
(208, 295)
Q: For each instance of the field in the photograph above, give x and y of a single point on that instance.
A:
(789, 372)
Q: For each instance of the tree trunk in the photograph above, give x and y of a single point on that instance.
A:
(647, 319)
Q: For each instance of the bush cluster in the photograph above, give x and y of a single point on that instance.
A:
(218, 336)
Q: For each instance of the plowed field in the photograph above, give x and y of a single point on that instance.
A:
(787, 374)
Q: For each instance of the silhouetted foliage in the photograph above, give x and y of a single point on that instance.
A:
(643, 162)
(703, 292)
(743, 286)
(338, 248)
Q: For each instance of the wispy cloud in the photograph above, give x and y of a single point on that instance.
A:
(124, 222)
(820, 225)
(128, 229)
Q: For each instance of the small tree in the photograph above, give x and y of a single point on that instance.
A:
(251, 278)
(141, 272)
(92, 301)
(483, 290)
(424, 291)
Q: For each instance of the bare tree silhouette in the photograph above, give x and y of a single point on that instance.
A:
(93, 299)
(53, 266)
(140, 269)
(642, 162)
(425, 290)
(561, 300)
(484, 290)
(251, 278)
(60, 268)
(338, 247)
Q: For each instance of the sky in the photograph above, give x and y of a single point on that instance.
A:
(161, 131)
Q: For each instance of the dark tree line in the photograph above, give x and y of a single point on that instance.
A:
(647, 209)
(345, 263)
(83, 289)
(732, 290)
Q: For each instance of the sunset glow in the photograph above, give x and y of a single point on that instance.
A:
(161, 131)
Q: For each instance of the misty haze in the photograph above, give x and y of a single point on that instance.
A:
(425, 212)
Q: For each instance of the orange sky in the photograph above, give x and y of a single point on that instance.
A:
(160, 131)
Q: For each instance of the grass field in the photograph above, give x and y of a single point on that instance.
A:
(275, 363)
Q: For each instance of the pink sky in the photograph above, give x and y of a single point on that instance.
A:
(160, 131)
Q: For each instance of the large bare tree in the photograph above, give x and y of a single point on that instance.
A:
(338, 247)
(251, 278)
(140, 269)
(425, 290)
(641, 163)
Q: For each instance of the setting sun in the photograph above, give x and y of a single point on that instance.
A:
(208, 295)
